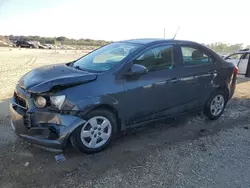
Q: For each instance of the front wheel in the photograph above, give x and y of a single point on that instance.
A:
(97, 133)
(215, 105)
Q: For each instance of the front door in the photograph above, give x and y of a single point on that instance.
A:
(152, 95)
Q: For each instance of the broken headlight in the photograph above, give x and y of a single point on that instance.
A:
(40, 102)
(58, 101)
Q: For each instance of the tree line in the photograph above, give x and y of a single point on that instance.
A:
(57, 40)
(225, 48)
(218, 47)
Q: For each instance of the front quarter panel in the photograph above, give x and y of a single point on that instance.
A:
(105, 90)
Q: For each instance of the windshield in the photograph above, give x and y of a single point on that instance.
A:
(106, 57)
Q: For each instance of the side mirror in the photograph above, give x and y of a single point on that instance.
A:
(137, 69)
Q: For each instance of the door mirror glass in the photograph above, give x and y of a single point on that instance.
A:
(137, 69)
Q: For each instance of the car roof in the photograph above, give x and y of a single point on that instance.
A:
(142, 41)
(145, 41)
(241, 52)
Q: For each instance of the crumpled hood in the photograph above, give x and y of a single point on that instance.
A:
(43, 79)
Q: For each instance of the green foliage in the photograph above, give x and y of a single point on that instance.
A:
(59, 40)
(223, 48)
(218, 47)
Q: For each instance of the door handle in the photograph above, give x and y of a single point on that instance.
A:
(174, 80)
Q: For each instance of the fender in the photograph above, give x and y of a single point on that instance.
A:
(105, 101)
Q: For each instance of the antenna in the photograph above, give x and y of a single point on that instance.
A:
(176, 32)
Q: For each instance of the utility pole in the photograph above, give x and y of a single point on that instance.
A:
(164, 33)
(76, 46)
(55, 43)
(8, 41)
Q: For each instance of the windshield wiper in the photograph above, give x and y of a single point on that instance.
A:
(77, 67)
(86, 70)
(70, 64)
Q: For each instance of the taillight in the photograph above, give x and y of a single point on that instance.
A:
(236, 70)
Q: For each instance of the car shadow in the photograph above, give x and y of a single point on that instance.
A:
(242, 79)
(169, 131)
(173, 130)
(129, 150)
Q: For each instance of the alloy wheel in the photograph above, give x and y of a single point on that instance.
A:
(217, 105)
(96, 132)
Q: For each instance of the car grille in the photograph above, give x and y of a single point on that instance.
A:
(20, 101)
(27, 121)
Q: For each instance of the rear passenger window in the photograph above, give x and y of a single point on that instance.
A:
(193, 56)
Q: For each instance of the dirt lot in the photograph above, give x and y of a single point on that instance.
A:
(187, 152)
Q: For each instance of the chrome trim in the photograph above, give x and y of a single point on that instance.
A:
(14, 102)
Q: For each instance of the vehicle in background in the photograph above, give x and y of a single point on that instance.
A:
(63, 47)
(240, 59)
(49, 46)
(2, 43)
(116, 87)
(70, 48)
(38, 44)
(223, 55)
(25, 44)
(59, 47)
(41, 46)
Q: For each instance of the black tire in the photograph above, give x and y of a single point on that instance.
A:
(207, 109)
(76, 135)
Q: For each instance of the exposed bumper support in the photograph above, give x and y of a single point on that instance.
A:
(46, 129)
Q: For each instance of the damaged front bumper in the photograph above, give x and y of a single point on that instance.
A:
(47, 129)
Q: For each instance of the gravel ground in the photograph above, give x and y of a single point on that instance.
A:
(190, 151)
(17, 62)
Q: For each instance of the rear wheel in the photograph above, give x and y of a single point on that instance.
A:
(97, 133)
(215, 105)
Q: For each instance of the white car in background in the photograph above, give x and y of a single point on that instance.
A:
(70, 48)
(2, 43)
(49, 46)
(240, 59)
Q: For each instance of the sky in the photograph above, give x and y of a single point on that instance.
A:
(199, 20)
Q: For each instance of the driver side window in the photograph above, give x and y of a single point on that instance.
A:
(158, 58)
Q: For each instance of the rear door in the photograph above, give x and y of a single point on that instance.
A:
(199, 69)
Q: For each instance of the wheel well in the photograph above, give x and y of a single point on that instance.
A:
(221, 88)
(111, 109)
(224, 89)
